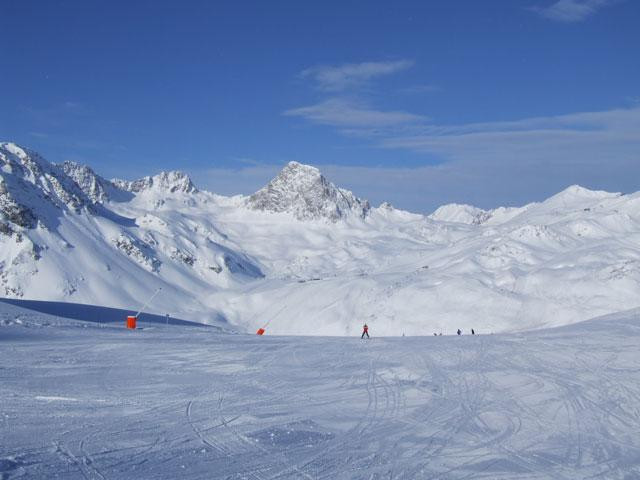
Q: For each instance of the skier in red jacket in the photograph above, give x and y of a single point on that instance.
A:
(365, 331)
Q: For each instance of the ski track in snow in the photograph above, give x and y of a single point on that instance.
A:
(104, 403)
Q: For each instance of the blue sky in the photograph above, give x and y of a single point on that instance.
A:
(498, 102)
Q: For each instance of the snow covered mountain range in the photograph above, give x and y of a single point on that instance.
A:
(307, 257)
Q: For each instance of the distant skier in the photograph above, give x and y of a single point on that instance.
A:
(459, 332)
(473, 332)
(365, 331)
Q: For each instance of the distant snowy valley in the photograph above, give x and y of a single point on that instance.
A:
(309, 258)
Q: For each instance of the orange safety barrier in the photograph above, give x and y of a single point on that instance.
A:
(260, 331)
(131, 322)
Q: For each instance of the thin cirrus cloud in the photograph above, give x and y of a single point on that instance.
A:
(486, 164)
(345, 106)
(572, 10)
(497, 163)
(568, 138)
(339, 112)
(575, 138)
(333, 78)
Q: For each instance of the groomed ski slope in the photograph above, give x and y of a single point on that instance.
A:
(84, 401)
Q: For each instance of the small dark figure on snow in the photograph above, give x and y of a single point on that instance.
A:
(365, 331)
(459, 332)
(473, 332)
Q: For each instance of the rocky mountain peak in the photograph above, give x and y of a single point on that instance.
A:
(299, 170)
(303, 191)
(173, 181)
(31, 186)
(93, 185)
(21, 161)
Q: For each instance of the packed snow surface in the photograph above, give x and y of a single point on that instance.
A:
(85, 401)
(305, 257)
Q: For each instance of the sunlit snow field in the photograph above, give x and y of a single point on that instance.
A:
(88, 401)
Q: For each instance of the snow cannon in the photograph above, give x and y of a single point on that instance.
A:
(261, 330)
(131, 319)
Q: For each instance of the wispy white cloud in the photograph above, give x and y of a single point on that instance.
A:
(333, 78)
(572, 10)
(489, 163)
(340, 112)
(496, 163)
(576, 137)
